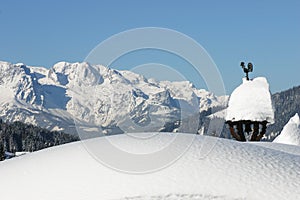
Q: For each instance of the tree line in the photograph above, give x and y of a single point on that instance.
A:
(21, 137)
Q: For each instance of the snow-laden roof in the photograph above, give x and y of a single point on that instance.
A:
(211, 168)
(251, 101)
(291, 132)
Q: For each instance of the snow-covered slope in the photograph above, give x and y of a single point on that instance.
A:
(96, 95)
(212, 168)
(291, 132)
(251, 101)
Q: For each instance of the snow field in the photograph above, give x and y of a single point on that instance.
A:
(212, 168)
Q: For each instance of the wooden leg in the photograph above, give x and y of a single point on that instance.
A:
(234, 134)
(255, 131)
(248, 128)
(263, 131)
(241, 131)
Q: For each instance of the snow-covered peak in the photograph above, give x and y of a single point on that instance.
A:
(210, 100)
(75, 73)
(133, 77)
(20, 64)
(62, 66)
(291, 132)
(251, 101)
(21, 81)
(295, 119)
(96, 93)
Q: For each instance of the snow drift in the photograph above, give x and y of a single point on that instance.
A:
(291, 132)
(212, 168)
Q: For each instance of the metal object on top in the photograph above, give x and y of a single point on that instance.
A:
(247, 69)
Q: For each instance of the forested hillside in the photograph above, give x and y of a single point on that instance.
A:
(20, 137)
(286, 105)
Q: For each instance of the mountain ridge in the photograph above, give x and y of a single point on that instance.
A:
(59, 97)
(54, 98)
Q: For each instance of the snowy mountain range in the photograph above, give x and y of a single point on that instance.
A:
(116, 101)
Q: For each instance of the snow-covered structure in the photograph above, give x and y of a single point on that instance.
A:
(291, 132)
(250, 109)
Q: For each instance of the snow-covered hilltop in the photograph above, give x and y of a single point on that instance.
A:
(212, 168)
(94, 94)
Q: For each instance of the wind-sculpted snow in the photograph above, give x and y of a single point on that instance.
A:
(97, 96)
(211, 168)
(291, 132)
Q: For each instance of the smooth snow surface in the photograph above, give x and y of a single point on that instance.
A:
(212, 168)
(251, 101)
(291, 132)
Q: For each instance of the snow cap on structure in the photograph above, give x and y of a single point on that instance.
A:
(251, 101)
(291, 132)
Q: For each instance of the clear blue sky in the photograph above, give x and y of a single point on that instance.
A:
(265, 32)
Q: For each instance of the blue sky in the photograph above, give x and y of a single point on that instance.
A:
(266, 33)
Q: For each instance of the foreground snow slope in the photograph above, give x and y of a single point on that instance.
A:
(291, 132)
(229, 170)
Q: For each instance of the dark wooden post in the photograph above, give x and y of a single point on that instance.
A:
(255, 131)
(241, 131)
(248, 128)
(263, 130)
(232, 131)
